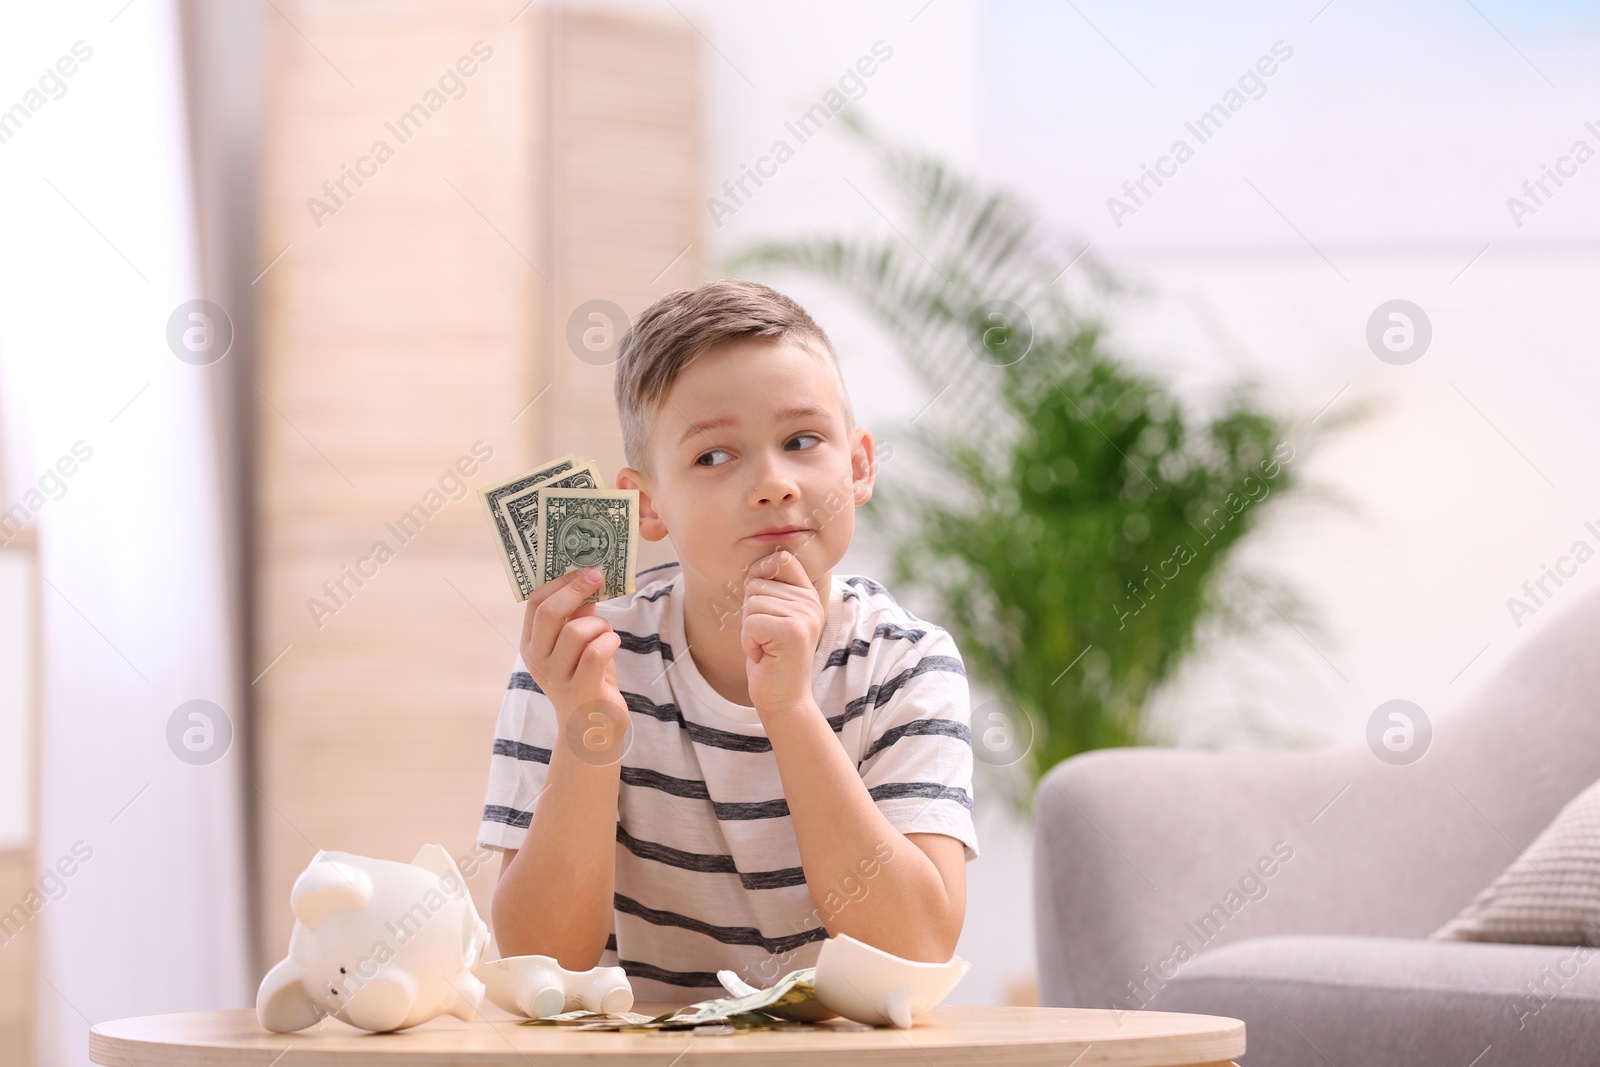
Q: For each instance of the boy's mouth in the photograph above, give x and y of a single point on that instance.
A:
(773, 534)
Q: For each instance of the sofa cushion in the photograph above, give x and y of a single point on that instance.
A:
(1550, 895)
(1377, 1001)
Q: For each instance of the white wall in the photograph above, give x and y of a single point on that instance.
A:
(1391, 125)
(18, 666)
(98, 251)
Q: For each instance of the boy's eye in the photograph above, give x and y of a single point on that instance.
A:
(714, 451)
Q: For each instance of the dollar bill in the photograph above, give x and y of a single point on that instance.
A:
(519, 511)
(589, 528)
(505, 536)
(796, 987)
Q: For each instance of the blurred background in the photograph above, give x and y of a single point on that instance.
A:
(285, 282)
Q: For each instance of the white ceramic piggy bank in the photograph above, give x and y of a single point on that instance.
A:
(377, 944)
(539, 987)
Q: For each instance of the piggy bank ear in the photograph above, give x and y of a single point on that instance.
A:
(326, 886)
(437, 859)
(282, 1003)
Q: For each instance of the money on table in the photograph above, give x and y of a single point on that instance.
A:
(559, 517)
(752, 1011)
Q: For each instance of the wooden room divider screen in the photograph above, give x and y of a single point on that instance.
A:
(443, 185)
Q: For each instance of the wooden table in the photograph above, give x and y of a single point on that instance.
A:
(949, 1034)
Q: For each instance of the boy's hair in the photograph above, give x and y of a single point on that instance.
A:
(672, 332)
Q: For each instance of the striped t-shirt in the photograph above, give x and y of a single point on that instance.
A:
(708, 872)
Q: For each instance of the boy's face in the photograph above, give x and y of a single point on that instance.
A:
(732, 459)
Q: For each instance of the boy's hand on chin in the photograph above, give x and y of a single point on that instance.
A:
(783, 621)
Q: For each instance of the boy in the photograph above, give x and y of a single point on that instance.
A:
(748, 754)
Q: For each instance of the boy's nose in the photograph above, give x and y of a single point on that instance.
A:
(772, 484)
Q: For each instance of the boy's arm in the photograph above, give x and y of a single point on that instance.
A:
(949, 856)
(913, 903)
(554, 896)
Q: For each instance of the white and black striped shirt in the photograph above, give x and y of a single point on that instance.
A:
(708, 871)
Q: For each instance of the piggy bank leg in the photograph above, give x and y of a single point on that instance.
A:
(471, 990)
(381, 1003)
(897, 1006)
(541, 992)
(607, 990)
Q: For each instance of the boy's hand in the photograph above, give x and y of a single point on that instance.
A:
(783, 621)
(571, 652)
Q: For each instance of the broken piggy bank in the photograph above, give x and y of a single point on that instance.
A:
(377, 944)
(539, 987)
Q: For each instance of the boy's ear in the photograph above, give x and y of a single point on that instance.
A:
(651, 528)
(864, 465)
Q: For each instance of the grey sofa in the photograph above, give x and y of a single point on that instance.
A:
(1321, 947)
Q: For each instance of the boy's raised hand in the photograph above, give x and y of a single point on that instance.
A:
(570, 652)
(783, 621)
